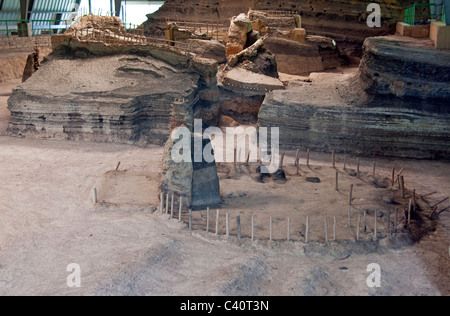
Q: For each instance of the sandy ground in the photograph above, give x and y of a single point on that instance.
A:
(48, 221)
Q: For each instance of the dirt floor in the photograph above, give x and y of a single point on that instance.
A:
(48, 221)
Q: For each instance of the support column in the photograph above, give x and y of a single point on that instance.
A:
(118, 5)
(24, 27)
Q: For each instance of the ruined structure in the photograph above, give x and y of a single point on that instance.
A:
(344, 21)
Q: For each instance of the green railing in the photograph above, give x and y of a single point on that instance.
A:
(8, 28)
(44, 26)
(420, 14)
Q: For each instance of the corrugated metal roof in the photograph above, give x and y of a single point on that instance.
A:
(48, 10)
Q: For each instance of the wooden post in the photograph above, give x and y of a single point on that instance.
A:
(350, 195)
(326, 229)
(190, 219)
(334, 228)
(375, 235)
(282, 160)
(228, 224)
(337, 180)
(402, 186)
(297, 157)
(94, 193)
(357, 167)
(238, 221)
(180, 209)
(358, 228)
(409, 212)
(374, 169)
(161, 202)
(349, 216)
(333, 158)
(401, 171)
(171, 207)
(247, 162)
(307, 157)
(365, 222)
(271, 229)
(167, 203)
(289, 230)
(217, 223)
(307, 230)
(393, 176)
(253, 227)
(414, 200)
(207, 220)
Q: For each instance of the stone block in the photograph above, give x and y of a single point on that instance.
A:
(440, 35)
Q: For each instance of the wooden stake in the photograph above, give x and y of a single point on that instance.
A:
(393, 176)
(349, 216)
(350, 195)
(414, 200)
(238, 221)
(358, 227)
(402, 186)
(409, 212)
(307, 230)
(247, 162)
(337, 181)
(297, 157)
(400, 172)
(282, 160)
(374, 169)
(365, 222)
(161, 202)
(94, 193)
(190, 219)
(271, 228)
(228, 224)
(180, 209)
(326, 229)
(171, 208)
(345, 163)
(253, 227)
(167, 203)
(440, 202)
(118, 165)
(375, 235)
(207, 220)
(217, 223)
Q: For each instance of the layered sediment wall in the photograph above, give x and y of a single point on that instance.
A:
(396, 105)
